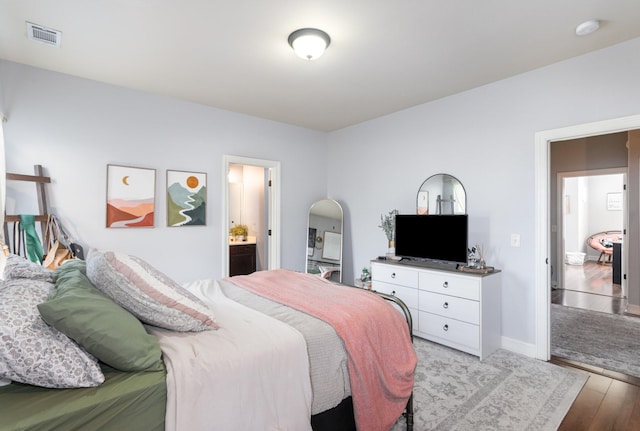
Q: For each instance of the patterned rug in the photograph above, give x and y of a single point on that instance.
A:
(506, 391)
(610, 341)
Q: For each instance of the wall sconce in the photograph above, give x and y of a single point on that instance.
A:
(309, 43)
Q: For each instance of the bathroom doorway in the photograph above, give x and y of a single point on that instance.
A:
(252, 198)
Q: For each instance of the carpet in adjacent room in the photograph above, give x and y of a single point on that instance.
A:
(609, 341)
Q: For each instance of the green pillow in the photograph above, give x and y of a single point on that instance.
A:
(71, 265)
(106, 330)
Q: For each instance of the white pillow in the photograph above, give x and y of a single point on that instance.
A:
(147, 293)
(33, 352)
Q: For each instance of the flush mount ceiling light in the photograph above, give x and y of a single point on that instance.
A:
(309, 43)
(587, 27)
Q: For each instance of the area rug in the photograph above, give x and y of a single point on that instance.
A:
(609, 341)
(506, 391)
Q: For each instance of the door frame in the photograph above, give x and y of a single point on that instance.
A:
(542, 272)
(273, 209)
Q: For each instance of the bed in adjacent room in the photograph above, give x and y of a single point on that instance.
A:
(132, 349)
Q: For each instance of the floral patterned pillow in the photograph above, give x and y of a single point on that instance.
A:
(19, 267)
(31, 351)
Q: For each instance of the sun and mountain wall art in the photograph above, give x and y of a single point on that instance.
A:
(186, 198)
(130, 196)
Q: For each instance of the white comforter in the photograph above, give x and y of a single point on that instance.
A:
(251, 374)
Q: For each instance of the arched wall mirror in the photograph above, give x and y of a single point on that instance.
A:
(441, 194)
(324, 240)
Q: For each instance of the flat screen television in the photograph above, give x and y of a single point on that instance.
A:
(435, 238)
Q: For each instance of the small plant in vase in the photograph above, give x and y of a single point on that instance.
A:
(365, 278)
(239, 232)
(388, 225)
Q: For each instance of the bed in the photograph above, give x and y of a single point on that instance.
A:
(240, 360)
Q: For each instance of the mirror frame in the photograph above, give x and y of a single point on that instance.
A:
(328, 207)
(435, 182)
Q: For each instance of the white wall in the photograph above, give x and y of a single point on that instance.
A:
(600, 217)
(484, 137)
(573, 218)
(75, 127)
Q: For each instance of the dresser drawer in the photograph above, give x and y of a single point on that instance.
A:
(408, 295)
(393, 274)
(448, 284)
(449, 330)
(450, 306)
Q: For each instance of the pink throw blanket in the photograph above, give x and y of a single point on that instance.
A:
(381, 359)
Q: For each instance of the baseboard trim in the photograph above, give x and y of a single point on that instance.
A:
(517, 346)
(632, 310)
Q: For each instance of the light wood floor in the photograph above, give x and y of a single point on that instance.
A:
(609, 400)
(590, 286)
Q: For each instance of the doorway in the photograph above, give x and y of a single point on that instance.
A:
(591, 203)
(251, 190)
(542, 224)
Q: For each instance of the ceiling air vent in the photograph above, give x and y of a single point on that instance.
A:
(43, 34)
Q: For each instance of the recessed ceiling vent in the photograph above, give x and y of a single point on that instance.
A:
(43, 34)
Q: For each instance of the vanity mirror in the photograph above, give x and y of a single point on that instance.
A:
(441, 194)
(324, 239)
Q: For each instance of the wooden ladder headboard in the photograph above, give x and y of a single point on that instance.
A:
(43, 211)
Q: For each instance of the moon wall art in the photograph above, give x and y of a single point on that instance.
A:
(130, 196)
(186, 198)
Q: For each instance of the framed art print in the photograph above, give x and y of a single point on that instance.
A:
(186, 198)
(614, 201)
(130, 196)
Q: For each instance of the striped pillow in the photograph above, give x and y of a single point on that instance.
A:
(147, 293)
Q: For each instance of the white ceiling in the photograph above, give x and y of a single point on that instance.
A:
(385, 55)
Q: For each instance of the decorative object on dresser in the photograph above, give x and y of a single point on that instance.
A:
(441, 194)
(458, 310)
(388, 225)
(476, 263)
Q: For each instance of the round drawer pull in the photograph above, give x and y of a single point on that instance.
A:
(445, 305)
(445, 284)
(445, 328)
(393, 275)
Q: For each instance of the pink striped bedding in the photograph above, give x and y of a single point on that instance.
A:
(381, 357)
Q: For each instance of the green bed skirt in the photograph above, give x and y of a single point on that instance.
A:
(125, 401)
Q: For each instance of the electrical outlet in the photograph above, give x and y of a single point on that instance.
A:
(515, 240)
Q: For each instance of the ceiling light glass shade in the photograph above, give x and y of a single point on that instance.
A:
(587, 27)
(309, 43)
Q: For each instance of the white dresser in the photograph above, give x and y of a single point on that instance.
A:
(457, 309)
